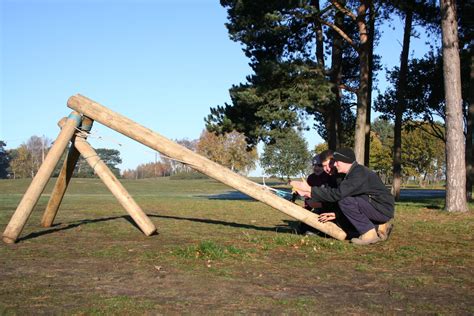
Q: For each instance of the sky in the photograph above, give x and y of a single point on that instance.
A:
(161, 63)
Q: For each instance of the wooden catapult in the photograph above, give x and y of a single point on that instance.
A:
(74, 129)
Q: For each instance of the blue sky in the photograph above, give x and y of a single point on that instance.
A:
(162, 63)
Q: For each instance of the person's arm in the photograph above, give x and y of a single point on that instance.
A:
(302, 188)
(353, 184)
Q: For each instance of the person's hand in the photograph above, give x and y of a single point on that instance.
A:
(302, 188)
(326, 217)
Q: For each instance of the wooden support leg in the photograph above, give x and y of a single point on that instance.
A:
(115, 186)
(63, 179)
(147, 137)
(32, 195)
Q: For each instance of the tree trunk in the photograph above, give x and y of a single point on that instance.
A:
(470, 130)
(362, 101)
(334, 112)
(400, 106)
(455, 167)
(319, 37)
(370, 83)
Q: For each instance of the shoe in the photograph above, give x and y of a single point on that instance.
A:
(368, 238)
(384, 231)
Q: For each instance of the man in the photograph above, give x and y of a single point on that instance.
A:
(362, 198)
(319, 178)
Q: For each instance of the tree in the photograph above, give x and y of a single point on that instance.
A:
(4, 161)
(20, 164)
(26, 160)
(400, 102)
(148, 170)
(423, 154)
(38, 148)
(381, 148)
(229, 150)
(239, 157)
(455, 167)
(287, 156)
(111, 157)
(176, 166)
(290, 81)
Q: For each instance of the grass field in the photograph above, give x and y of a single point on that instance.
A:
(219, 253)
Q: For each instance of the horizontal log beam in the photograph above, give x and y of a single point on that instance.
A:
(147, 137)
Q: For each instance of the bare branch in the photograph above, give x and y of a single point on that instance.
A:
(343, 9)
(340, 32)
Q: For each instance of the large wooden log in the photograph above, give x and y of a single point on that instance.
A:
(173, 150)
(109, 179)
(33, 193)
(64, 177)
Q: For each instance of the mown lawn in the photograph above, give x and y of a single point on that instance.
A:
(217, 252)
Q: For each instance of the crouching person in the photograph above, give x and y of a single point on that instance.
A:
(362, 198)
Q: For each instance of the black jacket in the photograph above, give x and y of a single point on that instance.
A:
(359, 180)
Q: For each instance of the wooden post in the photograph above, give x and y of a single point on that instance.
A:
(32, 195)
(64, 177)
(109, 179)
(173, 150)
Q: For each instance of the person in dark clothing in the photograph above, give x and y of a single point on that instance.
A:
(318, 178)
(361, 196)
(329, 211)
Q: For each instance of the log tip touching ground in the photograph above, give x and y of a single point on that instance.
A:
(151, 232)
(8, 240)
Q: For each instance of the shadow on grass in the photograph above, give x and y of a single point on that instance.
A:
(55, 227)
(279, 228)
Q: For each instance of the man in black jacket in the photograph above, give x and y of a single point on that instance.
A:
(362, 198)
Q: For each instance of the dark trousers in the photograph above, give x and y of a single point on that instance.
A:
(340, 221)
(362, 215)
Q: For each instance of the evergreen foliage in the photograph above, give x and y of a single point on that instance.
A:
(4, 161)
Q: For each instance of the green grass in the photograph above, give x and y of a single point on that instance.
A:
(209, 250)
(215, 254)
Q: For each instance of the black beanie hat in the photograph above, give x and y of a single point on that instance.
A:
(316, 160)
(345, 155)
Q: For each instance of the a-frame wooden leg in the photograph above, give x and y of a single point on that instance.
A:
(63, 179)
(120, 193)
(33, 193)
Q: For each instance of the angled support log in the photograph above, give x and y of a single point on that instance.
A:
(109, 179)
(171, 149)
(33, 193)
(64, 177)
